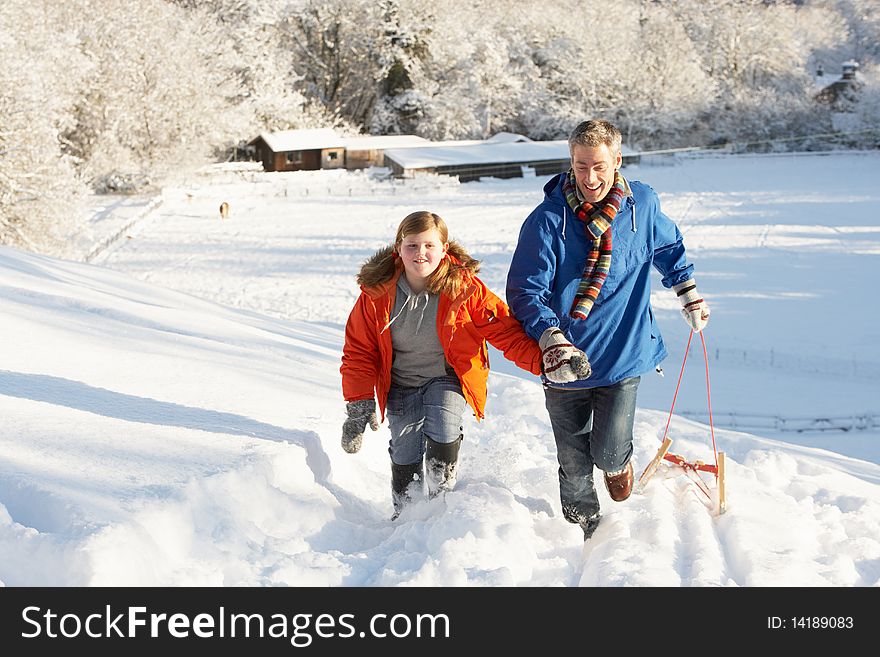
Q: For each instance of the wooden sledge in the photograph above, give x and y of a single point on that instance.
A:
(691, 468)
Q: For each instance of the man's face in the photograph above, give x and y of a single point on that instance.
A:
(594, 168)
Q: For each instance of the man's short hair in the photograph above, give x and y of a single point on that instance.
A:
(595, 133)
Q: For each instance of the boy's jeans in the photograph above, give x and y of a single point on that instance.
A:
(434, 409)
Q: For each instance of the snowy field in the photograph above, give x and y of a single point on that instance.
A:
(173, 409)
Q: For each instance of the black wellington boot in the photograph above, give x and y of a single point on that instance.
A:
(590, 524)
(441, 463)
(402, 476)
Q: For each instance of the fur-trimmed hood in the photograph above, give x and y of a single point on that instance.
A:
(466, 319)
(385, 265)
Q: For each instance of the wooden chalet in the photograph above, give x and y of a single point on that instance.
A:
(300, 150)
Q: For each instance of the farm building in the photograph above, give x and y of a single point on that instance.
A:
(369, 150)
(504, 155)
(841, 92)
(300, 150)
(470, 161)
(841, 95)
(498, 158)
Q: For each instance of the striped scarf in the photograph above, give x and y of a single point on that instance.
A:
(597, 221)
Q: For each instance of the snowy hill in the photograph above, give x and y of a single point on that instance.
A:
(153, 438)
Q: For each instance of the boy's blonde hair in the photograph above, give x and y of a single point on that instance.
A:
(447, 278)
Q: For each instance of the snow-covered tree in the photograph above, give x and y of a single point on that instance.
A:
(39, 74)
(476, 70)
(400, 48)
(863, 20)
(867, 108)
(758, 57)
(162, 91)
(333, 49)
(663, 94)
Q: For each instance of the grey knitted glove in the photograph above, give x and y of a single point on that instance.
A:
(360, 413)
(693, 307)
(561, 361)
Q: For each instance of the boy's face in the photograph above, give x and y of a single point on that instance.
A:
(421, 254)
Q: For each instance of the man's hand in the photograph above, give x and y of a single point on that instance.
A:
(693, 307)
(360, 413)
(560, 360)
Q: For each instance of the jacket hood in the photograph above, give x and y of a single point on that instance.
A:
(553, 187)
(385, 265)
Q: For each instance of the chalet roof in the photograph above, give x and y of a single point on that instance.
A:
(301, 140)
(381, 142)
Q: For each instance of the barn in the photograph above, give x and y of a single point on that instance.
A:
(300, 150)
(471, 161)
(505, 155)
(369, 150)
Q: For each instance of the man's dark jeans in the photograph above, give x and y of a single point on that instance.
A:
(592, 426)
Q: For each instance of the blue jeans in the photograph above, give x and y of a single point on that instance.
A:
(433, 410)
(592, 426)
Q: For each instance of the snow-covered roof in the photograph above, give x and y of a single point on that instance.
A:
(302, 140)
(377, 142)
(479, 153)
(506, 137)
(455, 153)
(458, 142)
(849, 71)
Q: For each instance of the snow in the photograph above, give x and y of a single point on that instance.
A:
(378, 142)
(172, 410)
(302, 140)
(507, 137)
(503, 147)
(479, 153)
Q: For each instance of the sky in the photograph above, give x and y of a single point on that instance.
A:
(173, 410)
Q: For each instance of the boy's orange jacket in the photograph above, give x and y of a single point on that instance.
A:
(463, 325)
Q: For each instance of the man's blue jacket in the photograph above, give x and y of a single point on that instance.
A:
(620, 336)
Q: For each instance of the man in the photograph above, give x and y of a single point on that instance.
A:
(579, 281)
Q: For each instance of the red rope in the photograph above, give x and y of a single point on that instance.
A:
(709, 401)
(708, 395)
(677, 386)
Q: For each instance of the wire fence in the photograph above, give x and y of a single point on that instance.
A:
(376, 181)
(756, 421)
(810, 144)
(788, 363)
(852, 367)
(109, 240)
(423, 184)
